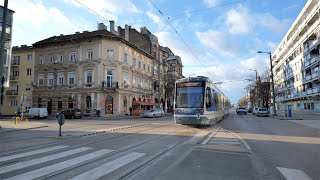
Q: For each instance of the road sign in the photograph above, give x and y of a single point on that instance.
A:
(61, 119)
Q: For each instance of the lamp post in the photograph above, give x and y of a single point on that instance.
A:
(255, 97)
(272, 82)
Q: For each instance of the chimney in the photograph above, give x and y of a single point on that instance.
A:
(101, 26)
(112, 27)
(126, 33)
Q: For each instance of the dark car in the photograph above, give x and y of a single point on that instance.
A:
(249, 110)
(71, 113)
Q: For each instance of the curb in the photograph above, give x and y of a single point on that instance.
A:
(285, 118)
(37, 127)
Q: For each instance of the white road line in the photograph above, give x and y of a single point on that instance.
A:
(225, 142)
(60, 166)
(31, 153)
(21, 165)
(224, 139)
(108, 167)
(239, 137)
(212, 134)
(293, 174)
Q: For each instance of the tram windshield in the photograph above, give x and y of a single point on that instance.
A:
(189, 95)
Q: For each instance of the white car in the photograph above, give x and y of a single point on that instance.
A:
(153, 113)
(241, 110)
(263, 112)
(254, 111)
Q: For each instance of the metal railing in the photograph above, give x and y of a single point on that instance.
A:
(12, 92)
(14, 78)
(109, 85)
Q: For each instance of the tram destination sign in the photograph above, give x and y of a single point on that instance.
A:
(189, 84)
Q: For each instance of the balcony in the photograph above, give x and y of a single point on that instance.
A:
(12, 92)
(315, 76)
(311, 61)
(14, 78)
(314, 90)
(109, 85)
(15, 63)
(88, 85)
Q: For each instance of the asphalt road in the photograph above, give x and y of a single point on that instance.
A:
(239, 147)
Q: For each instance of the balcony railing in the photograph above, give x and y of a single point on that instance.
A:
(14, 78)
(88, 85)
(109, 85)
(315, 75)
(314, 90)
(311, 61)
(11, 92)
(15, 62)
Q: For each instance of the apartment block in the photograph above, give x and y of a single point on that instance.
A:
(19, 92)
(98, 70)
(296, 62)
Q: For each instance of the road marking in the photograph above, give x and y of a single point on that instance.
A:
(224, 139)
(21, 165)
(60, 166)
(293, 174)
(239, 137)
(212, 134)
(31, 153)
(225, 142)
(108, 167)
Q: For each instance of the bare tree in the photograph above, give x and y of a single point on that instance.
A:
(263, 89)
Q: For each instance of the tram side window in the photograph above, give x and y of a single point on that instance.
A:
(216, 101)
(209, 99)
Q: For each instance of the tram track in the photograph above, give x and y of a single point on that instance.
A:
(86, 138)
(170, 133)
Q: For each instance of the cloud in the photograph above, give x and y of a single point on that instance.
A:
(220, 42)
(269, 21)
(33, 17)
(238, 20)
(211, 3)
(109, 9)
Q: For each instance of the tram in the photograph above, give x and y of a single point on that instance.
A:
(198, 101)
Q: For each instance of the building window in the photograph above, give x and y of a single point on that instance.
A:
(144, 66)
(60, 79)
(39, 102)
(89, 76)
(29, 57)
(134, 61)
(41, 60)
(59, 103)
(71, 77)
(125, 79)
(61, 57)
(50, 79)
(90, 54)
(29, 72)
(148, 68)
(28, 87)
(110, 55)
(14, 103)
(52, 59)
(125, 58)
(16, 60)
(40, 80)
(139, 65)
(88, 102)
(109, 78)
(72, 56)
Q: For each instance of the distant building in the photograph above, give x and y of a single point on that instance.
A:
(296, 62)
(21, 78)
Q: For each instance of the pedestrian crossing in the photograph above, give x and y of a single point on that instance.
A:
(30, 164)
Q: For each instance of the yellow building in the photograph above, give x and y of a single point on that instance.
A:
(20, 84)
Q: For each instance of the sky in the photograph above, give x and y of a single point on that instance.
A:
(214, 38)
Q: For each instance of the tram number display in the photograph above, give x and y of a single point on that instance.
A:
(189, 84)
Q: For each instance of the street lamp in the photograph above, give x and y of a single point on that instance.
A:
(272, 82)
(254, 100)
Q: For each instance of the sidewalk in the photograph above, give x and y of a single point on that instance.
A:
(9, 125)
(298, 115)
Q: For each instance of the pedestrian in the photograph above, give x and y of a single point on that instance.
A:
(130, 109)
(19, 111)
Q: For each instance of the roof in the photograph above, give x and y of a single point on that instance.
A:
(22, 48)
(84, 34)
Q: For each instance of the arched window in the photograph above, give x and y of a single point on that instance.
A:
(70, 102)
(88, 102)
(134, 99)
(39, 102)
(59, 103)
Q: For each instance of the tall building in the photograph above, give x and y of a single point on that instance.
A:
(296, 62)
(98, 70)
(7, 50)
(19, 92)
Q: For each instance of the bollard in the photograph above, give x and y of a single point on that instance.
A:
(17, 120)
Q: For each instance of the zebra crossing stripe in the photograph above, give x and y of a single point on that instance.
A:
(31, 153)
(21, 165)
(293, 174)
(60, 166)
(108, 167)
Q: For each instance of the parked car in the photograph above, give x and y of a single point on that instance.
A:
(241, 110)
(262, 112)
(254, 111)
(154, 112)
(35, 113)
(249, 110)
(71, 113)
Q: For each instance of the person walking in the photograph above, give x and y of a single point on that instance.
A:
(130, 109)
